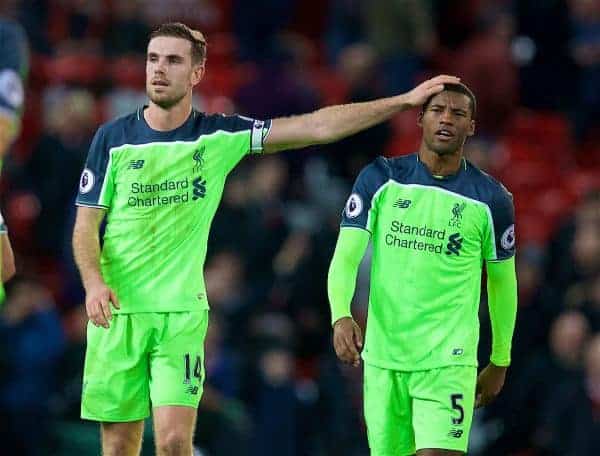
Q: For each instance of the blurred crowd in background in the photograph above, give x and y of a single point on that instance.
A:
(274, 386)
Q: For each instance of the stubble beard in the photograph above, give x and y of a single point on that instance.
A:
(164, 101)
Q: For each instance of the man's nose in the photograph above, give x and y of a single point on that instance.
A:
(446, 117)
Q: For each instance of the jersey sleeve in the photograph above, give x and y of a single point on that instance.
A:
(247, 137)
(96, 185)
(13, 58)
(12, 93)
(500, 240)
(359, 211)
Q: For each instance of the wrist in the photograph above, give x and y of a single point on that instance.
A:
(92, 280)
(339, 319)
(498, 367)
(403, 102)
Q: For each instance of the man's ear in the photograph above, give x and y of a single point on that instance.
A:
(197, 74)
(420, 118)
(471, 131)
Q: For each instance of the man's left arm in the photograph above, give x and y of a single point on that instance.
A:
(336, 122)
(502, 303)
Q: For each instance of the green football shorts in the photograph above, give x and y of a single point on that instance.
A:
(409, 411)
(143, 360)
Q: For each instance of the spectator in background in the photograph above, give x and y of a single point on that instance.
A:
(32, 341)
(56, 163)
(585, 50)
(549, 375)
(402, 34)
(574, 251)
(279, 88)
(346, 26)
(570, 424)
(14, 65)
(359, 69)
(275, 406)
(257, 25)
(485, 57)
(547, 75)
(126, 17)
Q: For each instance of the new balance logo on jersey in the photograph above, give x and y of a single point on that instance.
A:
(454, 244)
(136, 164)
(193, 390)
(402, 203)
(199, 188)
(456, 433)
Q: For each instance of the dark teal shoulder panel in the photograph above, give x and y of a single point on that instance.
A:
(472, 183)
(133, 129)
(370, 179)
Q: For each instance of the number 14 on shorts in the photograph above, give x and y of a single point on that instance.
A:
(196, 372)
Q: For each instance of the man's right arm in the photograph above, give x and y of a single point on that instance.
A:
(341, 283)
(86, 250)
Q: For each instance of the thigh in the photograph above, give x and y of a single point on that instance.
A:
(115, 377)
(388, 412)
(443, 401)
(177, 360)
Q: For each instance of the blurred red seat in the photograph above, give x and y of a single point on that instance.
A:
(128, 71)
(76, 68)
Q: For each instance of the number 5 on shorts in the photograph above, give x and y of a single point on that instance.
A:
(454, 398)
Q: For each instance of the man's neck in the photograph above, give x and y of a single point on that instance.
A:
(167, 119)
(440, 165)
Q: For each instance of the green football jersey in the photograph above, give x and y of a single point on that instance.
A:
(161, 191)
(430, 237)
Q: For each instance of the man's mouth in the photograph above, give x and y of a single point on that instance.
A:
(444, 134)
(160, 82)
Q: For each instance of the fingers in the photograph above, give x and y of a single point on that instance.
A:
(481, 400)
(104, 314)
(114, 300)
(358, 340)
(444, 79)
(98, 308)
(346, 349)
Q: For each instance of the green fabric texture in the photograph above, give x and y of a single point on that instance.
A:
(502, 302)
(341, 281)
(161, 203)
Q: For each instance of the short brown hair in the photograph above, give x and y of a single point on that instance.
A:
(460, 88)
(179, 30)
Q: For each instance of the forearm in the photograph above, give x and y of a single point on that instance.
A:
(331, 123)
(341, 280)
(335, 122)
(502, 302)
(86, 250)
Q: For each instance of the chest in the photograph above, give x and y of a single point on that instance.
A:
(430, 215)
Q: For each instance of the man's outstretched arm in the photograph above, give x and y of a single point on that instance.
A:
(336, 122)
(502, 303)
(341, 283)
(86, 250)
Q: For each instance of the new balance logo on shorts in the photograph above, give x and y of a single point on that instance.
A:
(402, 203)
(136, 164)
(454, 244)
(193, 390)
(456, 433)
